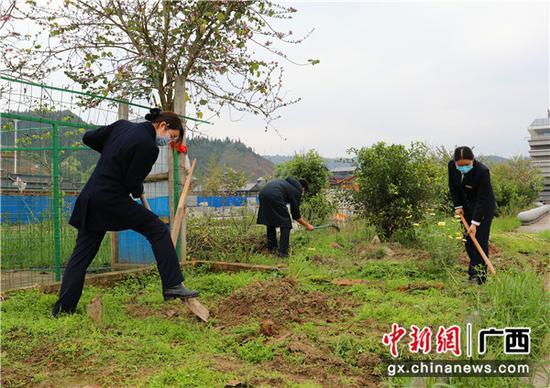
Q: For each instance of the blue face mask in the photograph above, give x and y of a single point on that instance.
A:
(464, 169)
(162, 141)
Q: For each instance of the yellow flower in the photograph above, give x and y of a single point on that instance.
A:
(458, 238)
(409, 216)
(311, 249)
(450, 237)
(431, 214)
(464, 239)
(415, 224)
(441, 223)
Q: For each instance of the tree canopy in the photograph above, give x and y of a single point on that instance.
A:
(138, 49)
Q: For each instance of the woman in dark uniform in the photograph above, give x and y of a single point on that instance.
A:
(472, 194)
(273, 211)
(128, 151)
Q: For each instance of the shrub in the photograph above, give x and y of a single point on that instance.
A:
(397, 185)
(234, 239)
(516, 184)
(316, 207)
(443, 239)
(309, 166)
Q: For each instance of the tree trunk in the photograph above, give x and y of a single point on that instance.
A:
(179, 108)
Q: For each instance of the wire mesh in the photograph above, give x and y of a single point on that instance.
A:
(43, 167)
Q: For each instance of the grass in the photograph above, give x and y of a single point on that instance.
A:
(505, 224)
(26, 246)
(324, 334)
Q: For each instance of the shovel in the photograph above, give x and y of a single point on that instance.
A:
(478, 247)
(325, 226)
(192, 304)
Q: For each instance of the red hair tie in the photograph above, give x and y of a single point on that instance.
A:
(180, 148)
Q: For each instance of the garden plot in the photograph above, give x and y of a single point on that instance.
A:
(319, 323)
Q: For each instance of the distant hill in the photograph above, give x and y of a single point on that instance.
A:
(227, 152)
(33, 130)
(232, 153)
(493, 158)
(75, 166)
(346, 162)
(329, 162)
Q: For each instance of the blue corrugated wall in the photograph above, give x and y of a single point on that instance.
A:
(133, 247)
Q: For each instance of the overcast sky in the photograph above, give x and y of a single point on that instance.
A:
(449, 73)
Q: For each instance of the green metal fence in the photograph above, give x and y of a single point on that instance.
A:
(43, 167)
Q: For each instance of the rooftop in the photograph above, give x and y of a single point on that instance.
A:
(343, 169)
(540, 122)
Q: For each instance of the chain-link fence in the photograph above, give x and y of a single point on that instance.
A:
(43, 167)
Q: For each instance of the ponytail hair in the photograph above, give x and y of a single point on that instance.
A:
(171, 119)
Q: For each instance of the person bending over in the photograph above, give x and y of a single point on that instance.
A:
(273, 211)
(128, 151)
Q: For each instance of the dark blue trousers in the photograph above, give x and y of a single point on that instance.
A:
(87, 246)
(283, 242)
(477, 268)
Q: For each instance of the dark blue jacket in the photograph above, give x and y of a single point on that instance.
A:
(273, 200)
(128, 151)
(474, 193)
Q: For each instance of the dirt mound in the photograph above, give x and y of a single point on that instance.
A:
(280, 301)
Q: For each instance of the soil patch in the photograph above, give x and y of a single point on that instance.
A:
(494, 251)
(281, 301)
(322, 260)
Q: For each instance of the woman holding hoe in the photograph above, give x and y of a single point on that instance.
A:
(128, 151)
(473, 198)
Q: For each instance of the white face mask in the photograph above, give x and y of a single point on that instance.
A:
(162, 140)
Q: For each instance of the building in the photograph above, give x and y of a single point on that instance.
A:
(252, 189)
(539, 144)
(342, 177)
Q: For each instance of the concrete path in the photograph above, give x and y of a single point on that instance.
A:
(539, 226)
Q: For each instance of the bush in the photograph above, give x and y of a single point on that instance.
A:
(224, 239)
(443, 239)
(516, 184)
(397, 185)
(309, 166)
(316, 207)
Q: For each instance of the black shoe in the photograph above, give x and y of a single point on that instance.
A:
(58, 309)
(179, 291)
